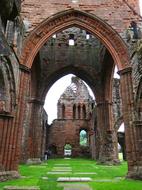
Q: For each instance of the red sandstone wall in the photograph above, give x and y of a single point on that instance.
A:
(64, 132)
(116, 12)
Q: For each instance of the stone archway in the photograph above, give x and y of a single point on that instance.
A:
(115, 45)
(109, 37)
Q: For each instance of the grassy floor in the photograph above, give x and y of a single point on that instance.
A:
(33, 175)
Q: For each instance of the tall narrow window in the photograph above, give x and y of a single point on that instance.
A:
(79, 111)
(63, 111)
(67, 150)
(84, 112)
(83, 138)
(74, 111)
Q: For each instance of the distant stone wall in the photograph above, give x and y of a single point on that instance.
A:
(136, 62)
(117, 103)
(75, 107)
(63, 132)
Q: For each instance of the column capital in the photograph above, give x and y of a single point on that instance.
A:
(24, 68)
(36, 101)
(125, 70)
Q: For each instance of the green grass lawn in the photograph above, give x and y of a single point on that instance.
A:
(33, 175)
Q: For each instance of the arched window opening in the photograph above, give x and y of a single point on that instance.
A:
(79, 111)
(83, 138)
(74, 111)
(92, 106)
(121, 142)
(55, 98)
(84, 112)
(63, 111)
(120, 152)
(67, 150)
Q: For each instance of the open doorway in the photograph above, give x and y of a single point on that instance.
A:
(121, 142)
(67, 150)
(83, 138)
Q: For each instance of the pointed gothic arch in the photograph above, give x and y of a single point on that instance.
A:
(65, 19)
(119, 52)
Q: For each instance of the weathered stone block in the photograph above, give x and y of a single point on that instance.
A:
(21, 188)
(7, 175)
(33, 161)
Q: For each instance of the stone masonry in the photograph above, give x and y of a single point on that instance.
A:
(31, 60)
(74, 113)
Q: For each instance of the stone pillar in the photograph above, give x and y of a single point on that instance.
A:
(92, 144)
(19, 119)
(138, 142)
(6, 140)
(35, 131)
(43, 139)
(133, 132)
(106, 137)
(7, 147)
(11, 130)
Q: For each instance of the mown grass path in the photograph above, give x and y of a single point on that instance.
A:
(103, 177)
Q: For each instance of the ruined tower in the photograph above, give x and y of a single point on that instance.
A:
(75, 107)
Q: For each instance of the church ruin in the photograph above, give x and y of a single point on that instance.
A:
(75, 108)
(32, 59)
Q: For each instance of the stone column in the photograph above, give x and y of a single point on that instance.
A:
(92, 144)
(133, 132)
(35, 131)
(6, 140)
(19, 119)
(11, 130)
(137, 174)
(106, 137)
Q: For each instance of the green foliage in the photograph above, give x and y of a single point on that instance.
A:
(83, 138)
(113, 177)
(68, 147)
